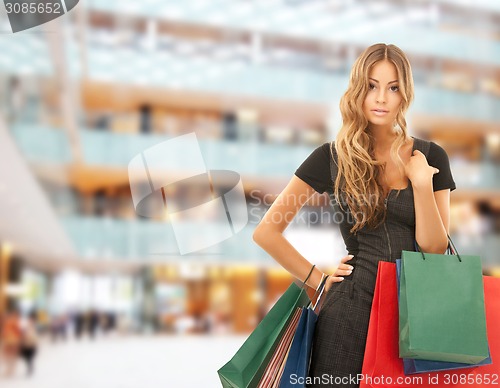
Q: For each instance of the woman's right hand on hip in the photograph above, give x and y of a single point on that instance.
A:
(342, 270)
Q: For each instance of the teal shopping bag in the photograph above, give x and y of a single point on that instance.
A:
(412, 366)
(246, 367)
(441, 312)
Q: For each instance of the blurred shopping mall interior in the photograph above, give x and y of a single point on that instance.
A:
(258, 83)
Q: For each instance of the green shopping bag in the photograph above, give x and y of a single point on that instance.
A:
(248, 364)
(441, 312)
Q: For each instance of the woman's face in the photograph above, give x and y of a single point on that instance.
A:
(383, 98)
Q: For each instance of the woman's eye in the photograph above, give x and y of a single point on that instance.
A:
(397, 88)
(371, 86)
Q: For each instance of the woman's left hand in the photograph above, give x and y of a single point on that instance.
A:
(418, 170)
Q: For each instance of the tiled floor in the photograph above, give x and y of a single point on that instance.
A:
(129, 362)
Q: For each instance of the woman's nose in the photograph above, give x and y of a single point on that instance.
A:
(381, 96)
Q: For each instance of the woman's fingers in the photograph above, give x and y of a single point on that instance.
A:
(342, 272)
(343, 269)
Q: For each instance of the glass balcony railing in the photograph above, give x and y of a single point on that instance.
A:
(267, 81)
(42, 144)
(203, 74)
(106, 238)
(485, 246)
(141, 240)
(239, 78)
(476, 175)
(165, 70)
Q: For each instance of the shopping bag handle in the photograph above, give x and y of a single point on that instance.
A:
(451, 248)
(320, 290)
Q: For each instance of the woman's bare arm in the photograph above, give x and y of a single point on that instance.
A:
(269, 233)
(432, 218)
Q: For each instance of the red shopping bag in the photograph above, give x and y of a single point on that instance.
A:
(382, 366)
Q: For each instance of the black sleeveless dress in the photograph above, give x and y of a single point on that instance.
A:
(340, 335)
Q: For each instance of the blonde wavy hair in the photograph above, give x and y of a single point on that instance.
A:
(357, 183)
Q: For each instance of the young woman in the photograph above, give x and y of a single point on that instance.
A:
(391, 190)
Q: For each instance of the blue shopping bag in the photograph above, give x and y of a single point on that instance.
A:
(299, 356)
(297, 363)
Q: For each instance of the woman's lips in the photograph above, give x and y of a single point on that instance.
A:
(377, 112)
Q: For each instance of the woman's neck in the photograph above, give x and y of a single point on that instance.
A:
(383, 138)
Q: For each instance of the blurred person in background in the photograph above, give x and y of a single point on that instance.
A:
(93, 323)
(10, 341)
(124, 324)
(59, 327)
(390, 190)
(104, 323)
(29, 342)
(79, 324)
